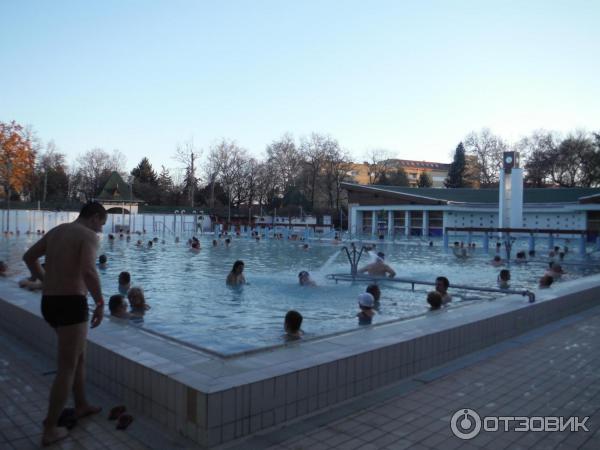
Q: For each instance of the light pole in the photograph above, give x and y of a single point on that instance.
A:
(229, 208)
(8, 175)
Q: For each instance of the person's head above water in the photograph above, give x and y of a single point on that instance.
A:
(238, 267)
(117, 305)
(374, 290)
(366, 301)
(102, 259)
(136, 297)
(546, 281)
(304, 278)
(442, 284)
(434, 298)
(292, 322)
(124, 278)
(3, 267)
(381, 255)
(504, 275)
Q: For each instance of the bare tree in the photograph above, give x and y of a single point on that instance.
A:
(187, 154)
(378, 160)
(335, 171)
(488, 149)
(225, 165)
(535, 151)
(93, 169)
(285, 160)
(313, 150)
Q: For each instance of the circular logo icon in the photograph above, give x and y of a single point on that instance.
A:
(465, 424)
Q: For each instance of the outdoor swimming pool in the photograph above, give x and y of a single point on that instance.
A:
(191, 303)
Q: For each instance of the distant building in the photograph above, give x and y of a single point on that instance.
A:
(438, 172)
(117, 196)
(401, 211)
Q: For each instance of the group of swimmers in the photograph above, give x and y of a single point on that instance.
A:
(130, 302)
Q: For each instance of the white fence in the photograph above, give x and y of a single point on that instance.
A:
(33, 220)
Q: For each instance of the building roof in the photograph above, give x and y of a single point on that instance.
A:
(419, 164)
(116, 190)
(489, 196)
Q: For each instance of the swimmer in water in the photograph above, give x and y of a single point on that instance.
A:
(366, 302)
(378, 268)
(460, 252)
(305, 280)
(503, 279)
(124, 282)
(236, 276)
(434, 299)
(497, 261)
(3, 268)
(137, 301)
(545, 282)
(117, 306)
(102, 262)
(292, 324)
(441, 285)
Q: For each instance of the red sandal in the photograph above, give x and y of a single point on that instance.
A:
(124, 421)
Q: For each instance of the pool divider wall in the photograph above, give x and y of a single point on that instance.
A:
(206, 399)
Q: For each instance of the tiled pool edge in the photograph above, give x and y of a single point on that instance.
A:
(238, 405)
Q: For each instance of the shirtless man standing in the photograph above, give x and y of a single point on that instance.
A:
(70, 272)
(378, 268)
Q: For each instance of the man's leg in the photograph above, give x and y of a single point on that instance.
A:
(71, 340)
(82, 407)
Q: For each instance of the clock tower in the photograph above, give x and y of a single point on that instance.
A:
(510, 214)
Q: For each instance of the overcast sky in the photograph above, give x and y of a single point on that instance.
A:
(412, 77)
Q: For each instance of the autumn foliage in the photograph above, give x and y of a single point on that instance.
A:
(17, 157)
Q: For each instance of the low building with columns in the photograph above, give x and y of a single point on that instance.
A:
(391, 211)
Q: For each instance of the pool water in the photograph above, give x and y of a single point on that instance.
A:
(190, 301)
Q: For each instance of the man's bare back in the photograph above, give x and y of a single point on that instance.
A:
(70, 255)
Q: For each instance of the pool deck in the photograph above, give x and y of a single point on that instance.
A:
(552, 370)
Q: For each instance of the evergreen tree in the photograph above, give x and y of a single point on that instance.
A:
(456, 174)
(165, 186)
(425, 180)
(144, 173)
(397, 178)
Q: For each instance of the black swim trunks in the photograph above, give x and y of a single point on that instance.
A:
(63, 310)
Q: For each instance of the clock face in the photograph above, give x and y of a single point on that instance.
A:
(508, 159)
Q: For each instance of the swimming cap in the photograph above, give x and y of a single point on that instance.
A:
(366, 300)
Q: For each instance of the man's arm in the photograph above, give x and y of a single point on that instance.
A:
(90, 277)
(88, 265)
(31, 257)
(389, 270)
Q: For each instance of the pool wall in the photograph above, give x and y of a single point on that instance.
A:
(213, 400)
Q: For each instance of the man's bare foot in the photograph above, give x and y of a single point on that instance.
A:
(86, 410)
(53, 434)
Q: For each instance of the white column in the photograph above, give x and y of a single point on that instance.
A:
(407, 223)
(353, 216)
(390, 223)
(425, 227)
(373, 223)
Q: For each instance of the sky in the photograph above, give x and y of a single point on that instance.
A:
(413, 78)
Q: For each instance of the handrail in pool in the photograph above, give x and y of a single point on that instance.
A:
(349, 277)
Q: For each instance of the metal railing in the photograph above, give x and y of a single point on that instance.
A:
(349, 277)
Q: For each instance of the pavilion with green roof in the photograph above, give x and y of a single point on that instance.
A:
(403, 211)
(117, 196)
